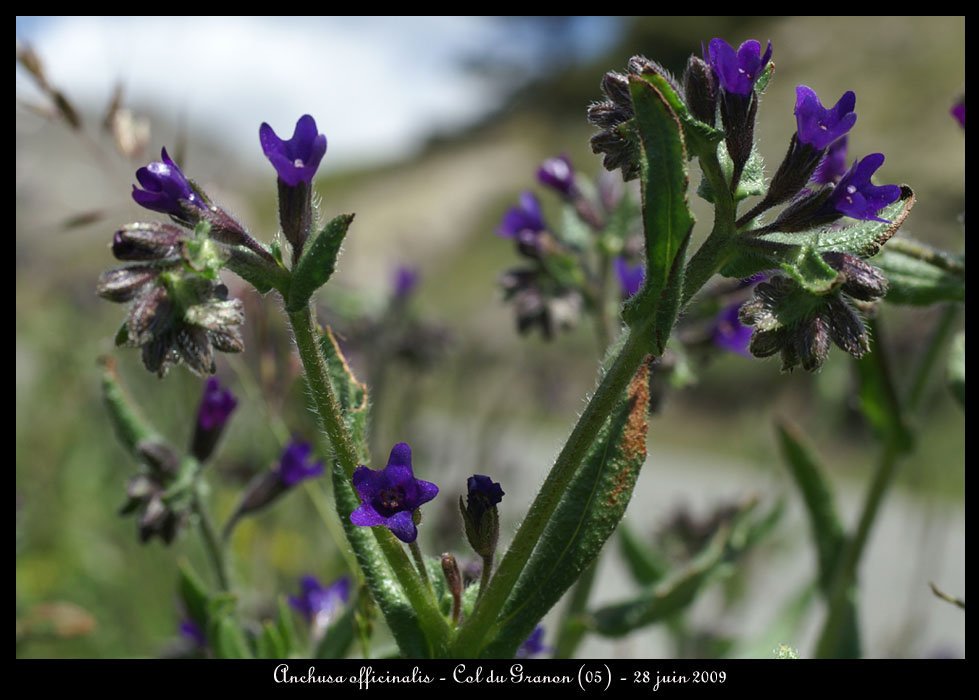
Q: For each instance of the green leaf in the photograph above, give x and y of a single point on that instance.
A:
(668, 306)
(270, 644)
(956, 368)
(131, 428)
(193, 594)
(228, 639)
(286, 627)
(664, 599)
(916, 282)
(812, 272)
(667, 220)
(752, 182)
(646, 565)
(879, 402)
(339, 636)
(262, 274)
(351, 394)
(587, 514)
(700, 139)
(825, 526)
(317, 262)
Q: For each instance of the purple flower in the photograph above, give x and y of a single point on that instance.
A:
(958, 111)
(216, 405)
(319, 603)
(192, 632)
(405, 281)
(484, 493)
(833, 165)
(630, 277)
(390, 496)
(737, 72)
(856, 197)
(557, 173)
(534, 645)
(526, 216)
(297, 159)
(214, 411)
(818, 126)
(295, 465)
(165, 187)
(729, 333)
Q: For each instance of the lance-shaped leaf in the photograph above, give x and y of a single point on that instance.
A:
(666, 217)
(269, 644)
(589, 510)
(646, 565)
(351, 394)
(700, 139)
(227, 638)
(878, 397)
(825, 527)
(193, 594)
(956, 368)
(286, 627)
(317, 263)
(918, 282)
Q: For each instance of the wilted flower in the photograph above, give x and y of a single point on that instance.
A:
(297, 159)
(296, 466)
(317, 603)
(166, 189)
(145, 491)
(390, 496)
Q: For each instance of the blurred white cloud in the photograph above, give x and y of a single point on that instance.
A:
(377, 86)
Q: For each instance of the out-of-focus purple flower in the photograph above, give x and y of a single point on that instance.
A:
(405, 281)
(216, 407)
(818, 126)
(192, 632)
(557, 173)
(534, 645)
(525, 216)
(958, 111)
(630, 277)
(318, 604)
(390, 496)
(729, 333)
(856, 197)
(164, 187)
(297, 159)
(295, 465)
(833, 165)
(737, 71)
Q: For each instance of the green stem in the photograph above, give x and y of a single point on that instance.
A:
(212, 544)
(715, 251)
(327, 406)
(484, 578)
(416, 554)
(478, 626)
(919, 251)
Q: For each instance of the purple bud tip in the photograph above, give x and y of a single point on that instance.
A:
(216, 406)
(296, 464)
(390, 496)
(297, 159)
(405, 281)
(558, 174)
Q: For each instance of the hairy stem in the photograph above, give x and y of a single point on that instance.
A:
(212, 544)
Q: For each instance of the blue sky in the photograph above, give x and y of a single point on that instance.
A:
(377, 86)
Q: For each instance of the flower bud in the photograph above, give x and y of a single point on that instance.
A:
(480, 516)
(148, 241)
(862, 280)
(125, 283)
(700, 90)
(215, 409)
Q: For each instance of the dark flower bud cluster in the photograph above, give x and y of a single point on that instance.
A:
(610, 115)
(800, 325)
(147, 497)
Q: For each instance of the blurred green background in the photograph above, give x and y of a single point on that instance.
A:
(494, 403)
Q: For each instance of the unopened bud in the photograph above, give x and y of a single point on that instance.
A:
(148, 241)
(125, 283)
(700, 90)
(863, 281)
